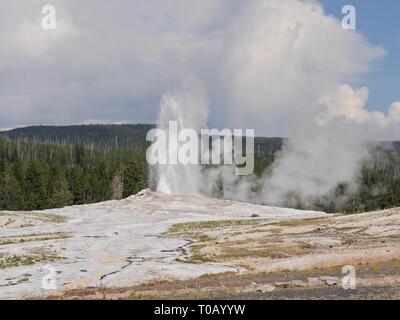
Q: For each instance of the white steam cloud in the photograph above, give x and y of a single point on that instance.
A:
(284, 65)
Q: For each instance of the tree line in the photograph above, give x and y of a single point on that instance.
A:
(35, 176)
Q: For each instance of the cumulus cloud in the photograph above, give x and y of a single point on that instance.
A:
(114, 60)
(348, 105)
(105, 60)
(282, 56)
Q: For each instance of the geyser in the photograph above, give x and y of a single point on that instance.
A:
(281, 67)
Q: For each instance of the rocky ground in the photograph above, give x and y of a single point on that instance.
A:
(373, 281)
(157, 246)
(111, 244)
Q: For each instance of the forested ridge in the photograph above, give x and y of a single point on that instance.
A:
(38, 176)
(50, 167)
(110, 136)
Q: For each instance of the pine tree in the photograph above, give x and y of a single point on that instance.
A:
(11, 194)
(79, 154)
(35, 187)
(91, 186)
(135, 178)
(117, 185)
(18, 172)
(59, 194)
(3, 205)
(103, 179)
(76, 184)
(2, 168)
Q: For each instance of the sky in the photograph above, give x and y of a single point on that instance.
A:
(263, 63)
(379, 22)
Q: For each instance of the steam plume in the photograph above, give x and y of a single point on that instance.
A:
(285, 70)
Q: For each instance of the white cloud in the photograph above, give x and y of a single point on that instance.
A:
(265, 63)
(349, 105)
(24, 41)
(394, 111)
(105, 60)
(283, 56)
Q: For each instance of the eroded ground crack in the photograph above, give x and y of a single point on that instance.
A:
(130, 261)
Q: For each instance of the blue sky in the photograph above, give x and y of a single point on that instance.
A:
(379, 22)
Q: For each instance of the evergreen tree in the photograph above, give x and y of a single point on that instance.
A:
(11, 194)
(18, 172)
(135, 178)
(91, 186)
(59, 194)
(117, 185)
(2, 168)
(79, 154)
(36, 195)
(104, 190)
(77, 185)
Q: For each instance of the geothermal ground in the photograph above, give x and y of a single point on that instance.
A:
(154, 245)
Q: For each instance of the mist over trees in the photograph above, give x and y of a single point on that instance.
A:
(52, 167)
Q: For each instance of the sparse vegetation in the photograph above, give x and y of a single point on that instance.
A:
(33, 237)
(232, 285)
(244, 242)
(300, 222)
(182, 228)
(13, 260)
(28, 219)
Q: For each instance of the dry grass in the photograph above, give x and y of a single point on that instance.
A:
(22, 219)
(256, 238)
(273, 251)
(33, 237)
(12, 260)
(301, 222)
(261, 245)
(229, 284)
(182, 228)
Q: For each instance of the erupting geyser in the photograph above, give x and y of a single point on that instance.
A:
(189, 108)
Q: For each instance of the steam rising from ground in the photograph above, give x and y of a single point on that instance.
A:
(283, 68)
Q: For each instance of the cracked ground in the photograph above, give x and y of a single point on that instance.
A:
(153, 245)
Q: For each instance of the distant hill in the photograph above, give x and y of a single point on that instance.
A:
(109, 136)
(100, 136)
(125, 136)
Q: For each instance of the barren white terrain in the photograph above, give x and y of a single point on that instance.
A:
(113, 244)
